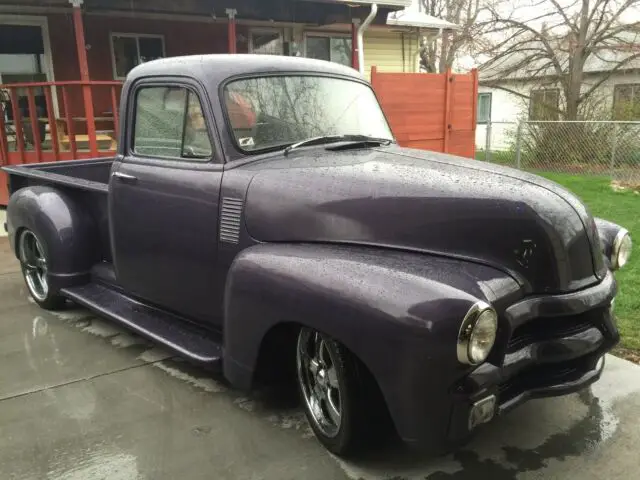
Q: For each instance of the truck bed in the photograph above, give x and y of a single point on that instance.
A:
(92, 174)
(85, 181)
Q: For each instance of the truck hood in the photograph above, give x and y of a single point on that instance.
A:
(400, 198)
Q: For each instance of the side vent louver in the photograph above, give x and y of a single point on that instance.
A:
(230, 220)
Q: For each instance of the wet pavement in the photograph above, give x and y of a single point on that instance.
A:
(81, 398)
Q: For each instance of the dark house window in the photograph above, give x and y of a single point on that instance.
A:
(267, 42)
(626, 102)
(331, 48)
(130, 50)
(484, 108)
(544, 104)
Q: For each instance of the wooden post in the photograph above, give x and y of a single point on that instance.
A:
(35, 124)
(355, 63)
(67, 113)
(53, 128)
(17, 121)
(448, 80)
(474, 119)
(78, 25)
(231, 13)
(116, 114)
(4, 142)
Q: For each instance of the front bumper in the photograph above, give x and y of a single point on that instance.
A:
(551, 346)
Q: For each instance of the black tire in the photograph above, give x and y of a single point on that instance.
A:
(364, 422)
(32, 254)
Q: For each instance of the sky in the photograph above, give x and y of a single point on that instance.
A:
(528, 11)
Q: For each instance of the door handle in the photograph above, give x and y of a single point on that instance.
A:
(125, 178)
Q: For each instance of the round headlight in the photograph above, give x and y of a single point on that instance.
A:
(621, 251)
(477, 334)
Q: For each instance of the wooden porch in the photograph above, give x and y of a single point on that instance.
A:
(74, 113)
(31, 131)
(51, 120)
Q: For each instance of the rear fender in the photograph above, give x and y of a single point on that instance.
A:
(67, 231)
(398, 312)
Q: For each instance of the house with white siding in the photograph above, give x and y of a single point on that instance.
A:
(505, 100)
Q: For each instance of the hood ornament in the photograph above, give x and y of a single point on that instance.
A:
(525, 253)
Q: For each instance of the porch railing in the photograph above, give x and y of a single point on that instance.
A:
(47, 121)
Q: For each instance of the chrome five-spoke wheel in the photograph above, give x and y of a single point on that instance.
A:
(340, 397)
(34, 265)
(35, 269)
(318, 378)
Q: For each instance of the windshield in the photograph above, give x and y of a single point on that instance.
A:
(276, 111)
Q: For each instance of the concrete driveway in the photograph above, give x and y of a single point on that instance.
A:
(83, 399)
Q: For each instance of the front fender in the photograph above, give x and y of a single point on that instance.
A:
(67, 231)
(398, 312)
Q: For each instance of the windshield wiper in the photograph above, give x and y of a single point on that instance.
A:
(336, 138)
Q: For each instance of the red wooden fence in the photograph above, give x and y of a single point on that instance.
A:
(33, 130)
(430, 111)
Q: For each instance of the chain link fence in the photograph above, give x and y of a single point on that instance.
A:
(603, 148)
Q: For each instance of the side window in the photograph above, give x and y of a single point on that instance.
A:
(196, 143)
(169, 123)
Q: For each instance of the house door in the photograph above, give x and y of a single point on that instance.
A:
(25, 58)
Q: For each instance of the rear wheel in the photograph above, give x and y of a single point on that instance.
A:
(341, 403)
(35, 269)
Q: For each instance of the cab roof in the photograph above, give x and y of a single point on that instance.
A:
(217, 68)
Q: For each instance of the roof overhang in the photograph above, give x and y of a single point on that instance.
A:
(411, 17)
(380, 3)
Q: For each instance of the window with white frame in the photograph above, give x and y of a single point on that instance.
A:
(129, 50)
(333, 48)
(484, 107)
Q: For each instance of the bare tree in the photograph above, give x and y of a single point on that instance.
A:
(555, 42)
(438, 54)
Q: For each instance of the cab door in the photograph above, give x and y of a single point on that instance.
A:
(163, 201)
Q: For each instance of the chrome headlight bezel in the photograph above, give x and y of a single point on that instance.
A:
(479, 310)
(616, 248)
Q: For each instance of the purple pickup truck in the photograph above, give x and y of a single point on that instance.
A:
(260, 220)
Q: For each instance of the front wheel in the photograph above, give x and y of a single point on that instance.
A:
(35, 269)
(340, 400)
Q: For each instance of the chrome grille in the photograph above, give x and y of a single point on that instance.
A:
(549, 328)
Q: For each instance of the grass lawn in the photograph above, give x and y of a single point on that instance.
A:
(622, 208)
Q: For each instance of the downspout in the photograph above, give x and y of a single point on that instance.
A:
(367, 21)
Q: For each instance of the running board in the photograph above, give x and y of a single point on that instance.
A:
(173, 332)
